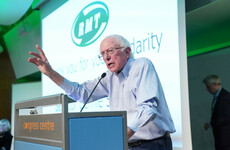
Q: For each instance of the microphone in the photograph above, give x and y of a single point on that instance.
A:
(102, 76)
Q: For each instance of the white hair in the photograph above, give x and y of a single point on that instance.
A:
(122, 41)
(6, 122)
(211, 79)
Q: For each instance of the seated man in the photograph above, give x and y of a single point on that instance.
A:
(5, 135)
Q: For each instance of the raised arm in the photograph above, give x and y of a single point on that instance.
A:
(43, 65)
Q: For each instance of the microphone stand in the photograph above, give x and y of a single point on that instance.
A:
(102, 76)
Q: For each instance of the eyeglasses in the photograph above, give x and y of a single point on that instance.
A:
(109, 52)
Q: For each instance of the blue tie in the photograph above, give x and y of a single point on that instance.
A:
(213, 103)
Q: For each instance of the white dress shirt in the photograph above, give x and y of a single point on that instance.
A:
(137, 90)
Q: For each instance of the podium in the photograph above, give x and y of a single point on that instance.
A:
(67, 131)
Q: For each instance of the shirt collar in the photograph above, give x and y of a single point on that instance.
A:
(218, 92)
(125, 71)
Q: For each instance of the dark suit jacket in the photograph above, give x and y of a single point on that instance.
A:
(5, 140)
(220, 121)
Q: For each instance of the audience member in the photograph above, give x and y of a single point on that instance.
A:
(5, 135)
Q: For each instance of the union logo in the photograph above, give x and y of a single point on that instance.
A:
(90, 23)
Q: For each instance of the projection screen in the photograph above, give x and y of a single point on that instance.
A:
(71, 37)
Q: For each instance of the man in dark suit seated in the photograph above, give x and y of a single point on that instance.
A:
(5, 135)
(220, 109)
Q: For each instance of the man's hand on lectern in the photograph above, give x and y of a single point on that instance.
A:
(130, 132)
